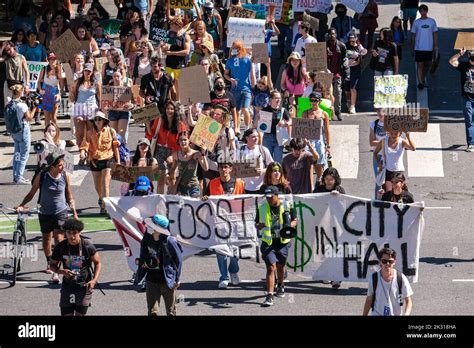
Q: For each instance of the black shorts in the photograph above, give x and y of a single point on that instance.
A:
(49, 223)
(275, 253)
(99, 165)
(423, 56)
(75, 301)
(389, 175)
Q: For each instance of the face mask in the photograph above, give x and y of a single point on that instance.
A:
(341, 14)
(234, 52)
(220, 86)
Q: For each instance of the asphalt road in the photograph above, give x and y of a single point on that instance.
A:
(446, 255)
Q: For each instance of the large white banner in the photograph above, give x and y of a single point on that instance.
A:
(358, 6)
(248, 30)
(338, 238)
(34, 68)
(323, 6)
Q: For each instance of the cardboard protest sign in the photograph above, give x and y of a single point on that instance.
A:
(316, 56)
(241, 12)
(277, 7)
(260, 53)
(34, 68)
(206, 132)
(69, 74)
(146, 113)
(158, 36)
(313, 22)
(131, 174)
(244, 170)
(85, 48)
(407, 120)
(193, 85)
(265, 122)
(306, 128)
(259, 9)
(325, 78)
(464, 40)
(390, 91)
(181, 4)
(358, 6)
(285, 12)
(137, 100)
(66, 46)
(249, 31)
(111, 26)
(323, 6)
(68, 157)
(99, 63)
(48, 97)
(115, 98)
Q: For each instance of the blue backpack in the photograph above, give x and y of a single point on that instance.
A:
(123, 151)
(12, 123)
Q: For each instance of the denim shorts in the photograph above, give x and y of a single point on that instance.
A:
(242, 99)
(408, 13)
(116, 115)
(320, 148)
(189, 191)
(275, 253)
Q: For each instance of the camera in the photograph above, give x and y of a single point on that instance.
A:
(33, 99)
(79, 279)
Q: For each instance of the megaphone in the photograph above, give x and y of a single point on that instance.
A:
(38, 147)
(287, 231)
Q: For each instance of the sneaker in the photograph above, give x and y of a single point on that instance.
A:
(234, 279)
(339, 116)
(55, 278)
(335, 284)
(352, 109)
(348, 103)
(133, 278)
(280, 292)
(38, 121)
(23, 181)
(103, 211)
(49, 270)
(223, 284)
(268, 301)
(470, 148)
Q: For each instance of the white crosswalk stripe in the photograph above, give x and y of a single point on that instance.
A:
(345, 149)
(79, 174)
(427, 160)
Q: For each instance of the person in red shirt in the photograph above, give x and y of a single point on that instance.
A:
(163, 134)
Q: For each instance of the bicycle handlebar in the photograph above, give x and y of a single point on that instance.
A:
(28, 211)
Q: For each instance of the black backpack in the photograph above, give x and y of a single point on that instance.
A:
(375, 279)
(12, 123)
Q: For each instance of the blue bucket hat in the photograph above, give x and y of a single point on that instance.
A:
(158, 223)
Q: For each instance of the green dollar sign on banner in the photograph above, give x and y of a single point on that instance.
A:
(305, 248)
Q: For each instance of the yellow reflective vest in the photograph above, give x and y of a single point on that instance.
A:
(265, 216)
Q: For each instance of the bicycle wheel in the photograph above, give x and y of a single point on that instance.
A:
(21, 251)
(15, 251)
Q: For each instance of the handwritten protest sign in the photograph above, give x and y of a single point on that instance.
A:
(407, 119)
(206, 132)
(313, 22)
(111, 26)
(69, 75)
(146, 113)
(306, 128)
(358, 6)
(260, 53)
(158, 36)
(99, 63)
(285, 12)
(241, 12)
(192, 83)
(115, 98)
(68, 157)
(181, 4)
(323, 6)
(277, 4)
(265, 122)
(325, 78)
(250, 31)
(259, 9)
(131, 174)
(244, 170)
(316, 56)
(390, 91)
(34, 68)
(464, 40)
(66, 46)
(85, 48)
(48, 97)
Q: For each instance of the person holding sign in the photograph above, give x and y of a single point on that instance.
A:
(239, 71)
(51, 76)
(271, 214)
(323, 145)
(355, 52)
(186, 183)
(467, 82)
(101, 145)
(226, 184)
(298, 166)
(84, 36)
(120, 117)
(303, 40)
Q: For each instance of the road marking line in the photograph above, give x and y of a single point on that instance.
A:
(345, 149)
(463, 280)
(79, 174)
(446, 112)
(27, 282)
(429, 162)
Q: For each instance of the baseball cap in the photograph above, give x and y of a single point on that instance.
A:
(158, 223)
(53, 158)
(271, 191)
(142, 183)
(143, 141)
(88, 66)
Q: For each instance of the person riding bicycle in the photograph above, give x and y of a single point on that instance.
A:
(76, 255)
(55, 195)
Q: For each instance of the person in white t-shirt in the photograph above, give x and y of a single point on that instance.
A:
(392, 288)
(424, 41)
(303, 40)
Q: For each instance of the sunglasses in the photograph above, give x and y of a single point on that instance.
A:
(390, 262)
(315, 100)
(98, 119)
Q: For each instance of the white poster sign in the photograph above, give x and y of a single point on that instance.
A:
(248, 30)
(265, 122)
(358, 6)
(338, 238)
(323, 6)
(34, 68)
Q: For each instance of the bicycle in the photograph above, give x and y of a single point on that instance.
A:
(19, 238)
